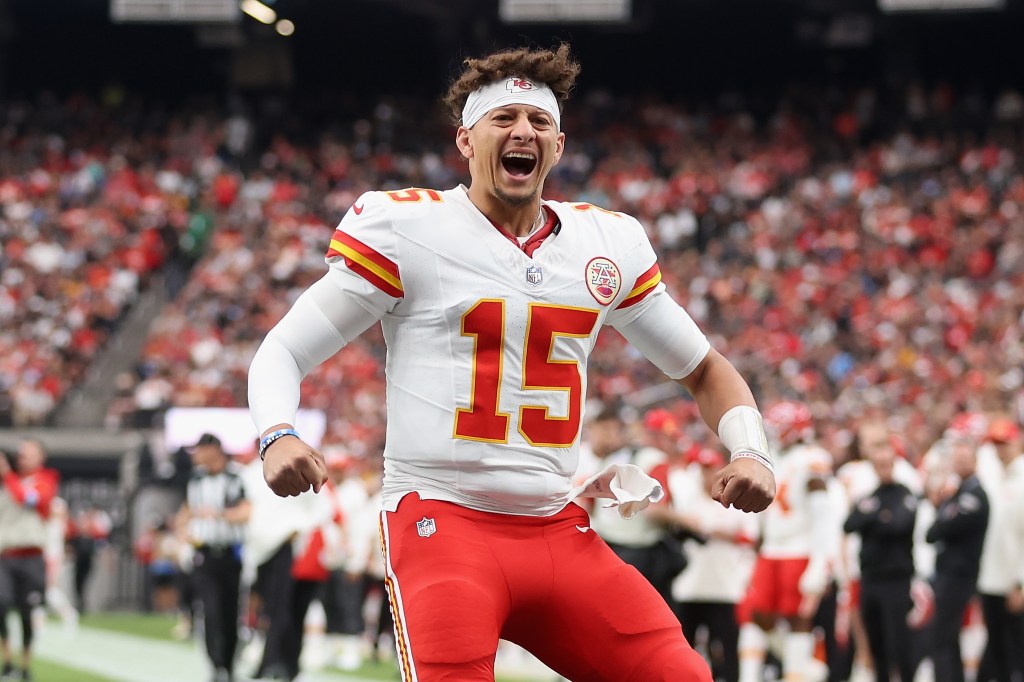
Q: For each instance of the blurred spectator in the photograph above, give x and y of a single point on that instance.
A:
(1001, 574)
(347, 585)
(366, 561)
(54, 554)
(88, 531)
(316, 552)
(279, 535)
(637, 541)
(720, 561)
(156, 548)
(26, 495)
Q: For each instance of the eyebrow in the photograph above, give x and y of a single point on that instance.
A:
(534, 111)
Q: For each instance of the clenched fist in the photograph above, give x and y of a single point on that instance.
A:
(745, 484)
(290, 467)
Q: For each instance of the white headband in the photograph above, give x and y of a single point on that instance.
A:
(509, 91)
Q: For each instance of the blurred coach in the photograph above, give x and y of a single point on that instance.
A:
(885, 521)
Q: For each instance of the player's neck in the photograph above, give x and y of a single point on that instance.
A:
(519, 221)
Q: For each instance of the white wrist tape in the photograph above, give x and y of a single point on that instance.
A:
(741, 430)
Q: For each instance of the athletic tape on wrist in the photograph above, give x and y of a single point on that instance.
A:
(741, 430)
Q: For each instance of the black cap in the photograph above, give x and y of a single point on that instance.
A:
(207, 439)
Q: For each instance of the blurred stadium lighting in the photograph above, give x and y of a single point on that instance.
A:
(174, 10)
(258, 11)
(938, 5)
(613, 11)
(285, 27)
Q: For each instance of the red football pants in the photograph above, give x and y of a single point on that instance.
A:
(459, 579)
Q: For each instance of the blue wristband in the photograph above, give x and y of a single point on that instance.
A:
(272, 436)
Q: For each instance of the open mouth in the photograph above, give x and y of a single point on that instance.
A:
(519, 164)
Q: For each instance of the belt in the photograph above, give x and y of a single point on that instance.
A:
(20, 552)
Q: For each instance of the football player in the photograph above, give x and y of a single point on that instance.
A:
(491, 299)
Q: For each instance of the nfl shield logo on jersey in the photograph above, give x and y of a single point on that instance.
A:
(534, 275)
(426, 527)
(603, 279)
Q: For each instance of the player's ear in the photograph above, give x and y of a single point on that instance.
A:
(463, 142)
(559, 147)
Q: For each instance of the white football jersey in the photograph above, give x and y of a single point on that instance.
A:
(487, 347)
(788, 521)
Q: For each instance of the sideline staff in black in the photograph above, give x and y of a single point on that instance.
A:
(216, 511)
(958, 534)
(885, 521)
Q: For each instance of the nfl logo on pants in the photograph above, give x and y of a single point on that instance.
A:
(426, 527)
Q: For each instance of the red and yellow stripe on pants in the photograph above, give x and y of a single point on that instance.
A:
(398, 615)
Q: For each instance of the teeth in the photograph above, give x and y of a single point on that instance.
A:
(520, 155)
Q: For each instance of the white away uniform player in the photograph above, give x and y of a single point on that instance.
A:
(490, 301)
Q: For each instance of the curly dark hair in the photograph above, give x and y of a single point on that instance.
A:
(555, 68)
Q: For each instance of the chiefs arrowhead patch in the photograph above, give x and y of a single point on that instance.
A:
(603, 279)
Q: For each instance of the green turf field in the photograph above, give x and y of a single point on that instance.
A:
(60, 666)
(157, 626)
(388, 671)
(45, 671)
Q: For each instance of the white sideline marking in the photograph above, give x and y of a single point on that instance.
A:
(131, 658)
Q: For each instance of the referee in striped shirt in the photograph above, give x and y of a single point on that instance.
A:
(216, 511)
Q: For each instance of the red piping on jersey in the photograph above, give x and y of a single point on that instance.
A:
(531, 244)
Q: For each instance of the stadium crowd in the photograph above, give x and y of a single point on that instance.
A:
(848, 252)
(853, 264)
(90, 211)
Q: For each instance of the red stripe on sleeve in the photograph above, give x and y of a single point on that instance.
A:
(366, 251)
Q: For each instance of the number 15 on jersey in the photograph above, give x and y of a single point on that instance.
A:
(485, 322)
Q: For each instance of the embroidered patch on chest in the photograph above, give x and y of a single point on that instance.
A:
(603, 279)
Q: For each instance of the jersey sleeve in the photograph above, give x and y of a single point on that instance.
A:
(364, 252)
(641, 278)
(651, 320)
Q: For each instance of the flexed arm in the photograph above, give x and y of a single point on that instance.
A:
(322, 321)
(666, 334)
(728, 408)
